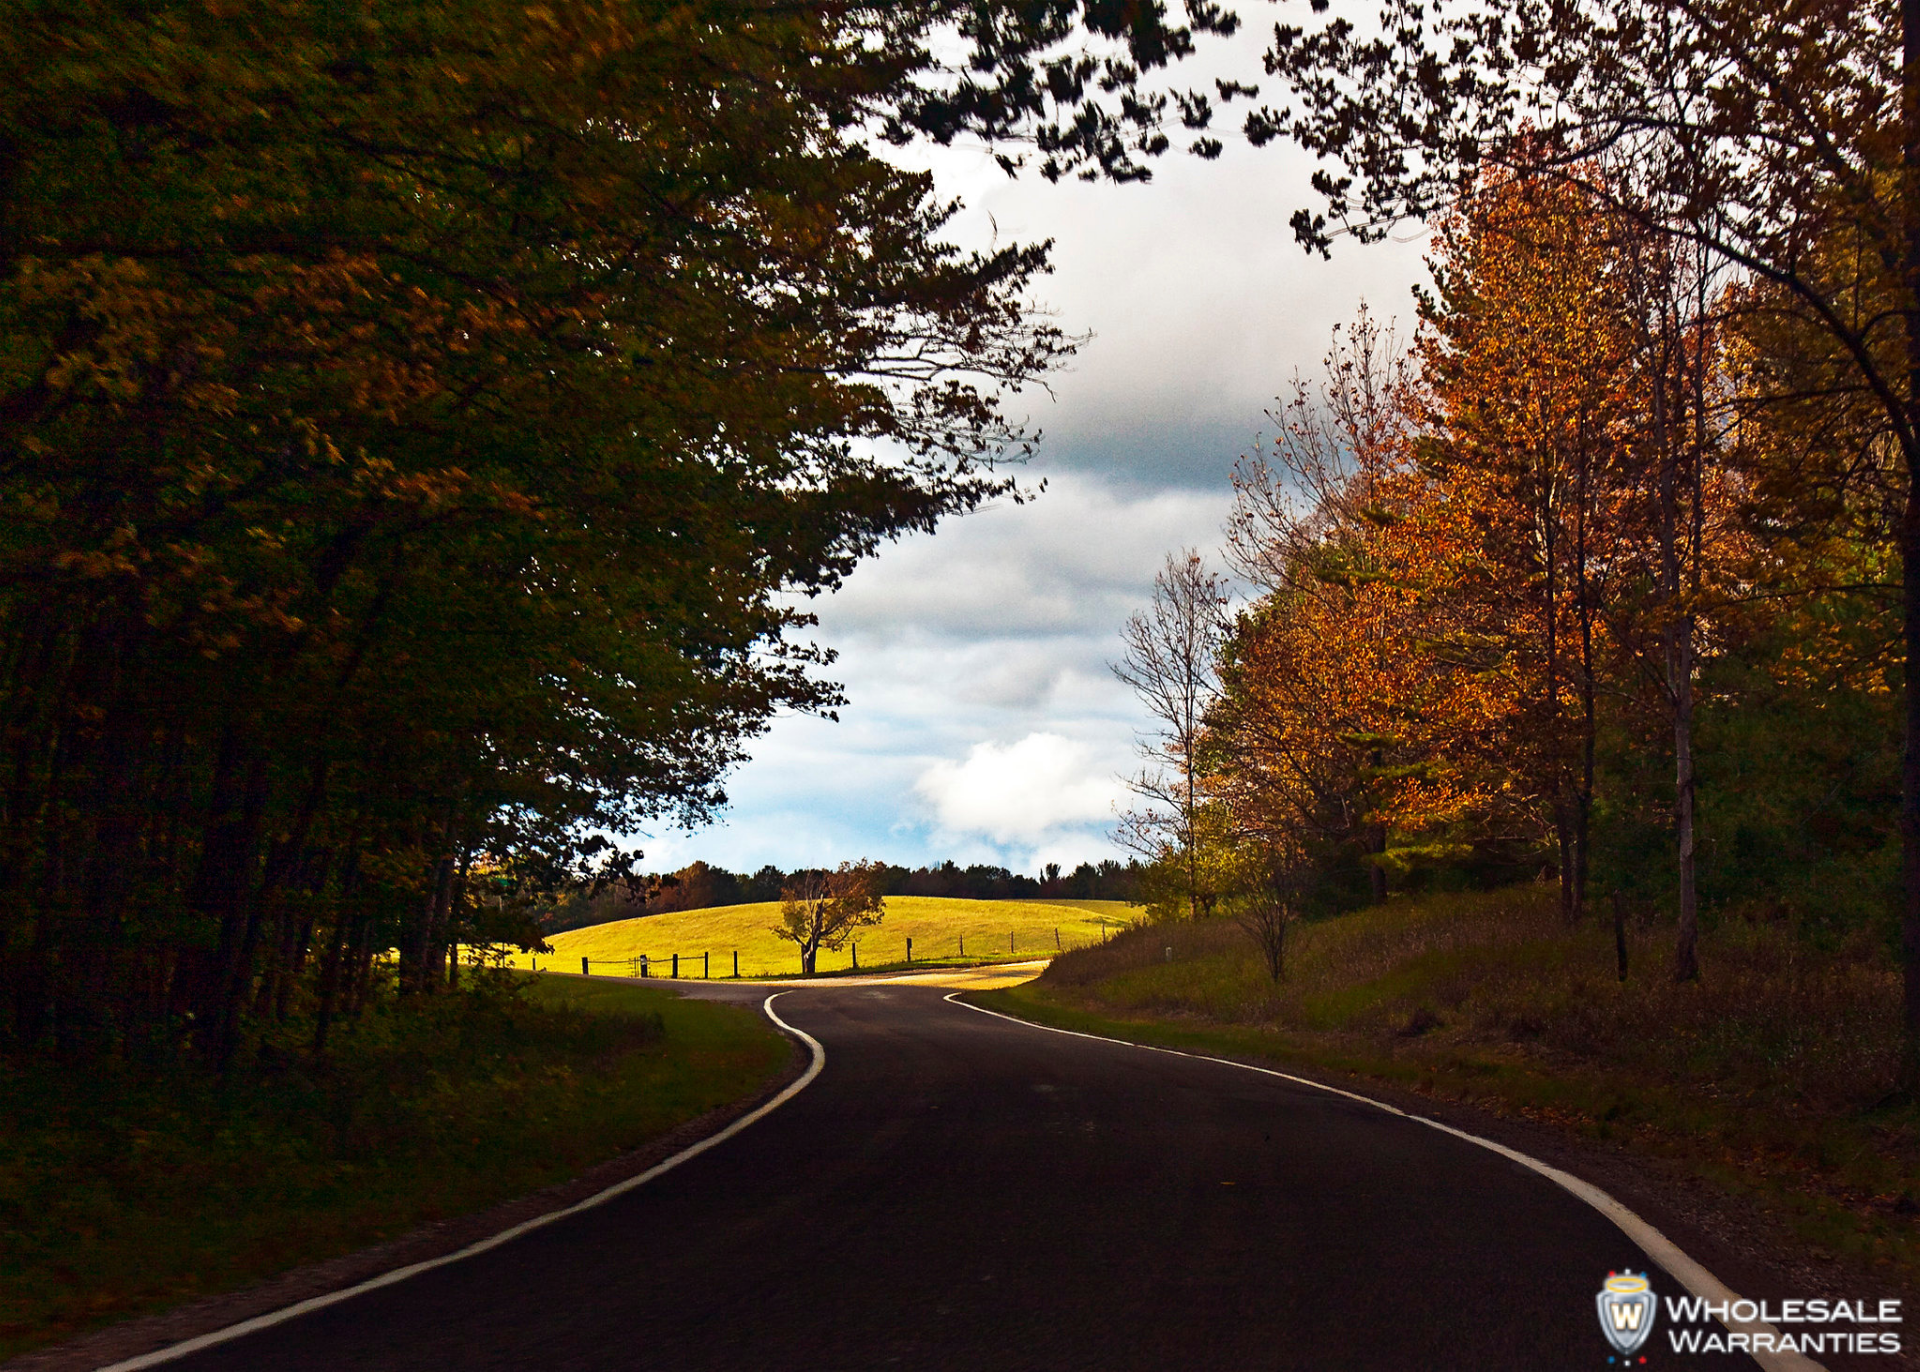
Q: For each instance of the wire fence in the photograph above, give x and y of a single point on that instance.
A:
(945, 952)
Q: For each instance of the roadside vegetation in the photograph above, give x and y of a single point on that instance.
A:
(943, 931)
(1768, 1077)
(129, 1188)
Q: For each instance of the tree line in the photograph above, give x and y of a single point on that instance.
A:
(700, 886)
(421, 427)
(1690, 475)
(1595, 578)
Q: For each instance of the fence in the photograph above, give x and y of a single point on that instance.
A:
(699, 966)
(647, 965)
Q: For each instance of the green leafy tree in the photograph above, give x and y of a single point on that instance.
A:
(419, 423)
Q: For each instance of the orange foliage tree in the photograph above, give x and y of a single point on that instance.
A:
(1333, 724)
(1530, 360)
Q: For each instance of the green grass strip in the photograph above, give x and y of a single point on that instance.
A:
(127, 1191)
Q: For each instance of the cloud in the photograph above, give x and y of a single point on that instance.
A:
(1072, 561)
(1000, 626)
(1017, 792)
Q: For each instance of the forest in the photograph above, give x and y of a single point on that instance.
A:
(1606, 573)
(1591, 578)
(422, 426)
(422, 429)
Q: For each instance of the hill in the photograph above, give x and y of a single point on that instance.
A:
(943, 929)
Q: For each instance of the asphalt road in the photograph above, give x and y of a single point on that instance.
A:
(957, 1191)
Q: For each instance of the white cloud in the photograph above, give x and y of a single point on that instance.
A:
(1017, 792)
(1072, 560)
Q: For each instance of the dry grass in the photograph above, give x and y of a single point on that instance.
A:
(1771, 1074)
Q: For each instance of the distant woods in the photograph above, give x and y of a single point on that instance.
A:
(421, 427)
(699, 886)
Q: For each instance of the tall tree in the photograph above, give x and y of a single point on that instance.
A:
(1531, 367)
(1171, 663)
(417, 422)
(1334, 713)
(1784, 138)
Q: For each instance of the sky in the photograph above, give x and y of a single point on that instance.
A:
(983, 723)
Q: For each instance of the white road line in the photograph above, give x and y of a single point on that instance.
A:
(400, 1274)
(1690, 1274)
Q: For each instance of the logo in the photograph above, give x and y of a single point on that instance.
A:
(1627, 1311)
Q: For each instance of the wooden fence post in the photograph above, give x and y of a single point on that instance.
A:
(909, 950)
(583, 967)
(856, 957)
(676, 966)
(1058, 947)
(736, 962)
(1009, 940)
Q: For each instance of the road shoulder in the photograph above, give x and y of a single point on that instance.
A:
(1734, 1236)
(147, 1334)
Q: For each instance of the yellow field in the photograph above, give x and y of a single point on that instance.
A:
(938, 927)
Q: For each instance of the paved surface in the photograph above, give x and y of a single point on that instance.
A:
(956, 1191)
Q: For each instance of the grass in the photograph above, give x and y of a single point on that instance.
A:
(938, 926)
(1769, 1078)
(127, 1190)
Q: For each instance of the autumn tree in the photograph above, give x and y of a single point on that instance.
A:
(824, 909)
(1783, 139)
(1337, 728)
(1531, 365)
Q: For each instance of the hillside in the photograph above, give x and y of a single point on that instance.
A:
(942, 929)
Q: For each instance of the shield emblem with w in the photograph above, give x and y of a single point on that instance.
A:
(1627, 1311)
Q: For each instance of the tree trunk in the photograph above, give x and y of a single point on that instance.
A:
(1686, 964)
(1676, 633)
(1620, 931)
(1563, 842)
(1910, 546)
(339, 952)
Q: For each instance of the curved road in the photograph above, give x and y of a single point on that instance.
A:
(958, 1191)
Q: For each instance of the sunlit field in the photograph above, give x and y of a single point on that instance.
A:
(942, 930)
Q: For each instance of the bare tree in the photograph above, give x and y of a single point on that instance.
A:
(821, 909)
(1172, 665)
(1268, 906)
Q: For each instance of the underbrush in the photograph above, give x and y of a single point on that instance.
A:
(1772, 1074)
(126, 1188)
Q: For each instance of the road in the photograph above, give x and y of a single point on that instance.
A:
(958, 1191)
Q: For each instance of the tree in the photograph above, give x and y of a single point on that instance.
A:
(821, 909)
(1784, 139)
(1264, 901)
(1171, 658)
(1337, 727)
(419, 426)
(1530, 360)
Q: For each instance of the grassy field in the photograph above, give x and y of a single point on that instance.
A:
(942, 930)
(126, 1192)
(1769, 1078)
